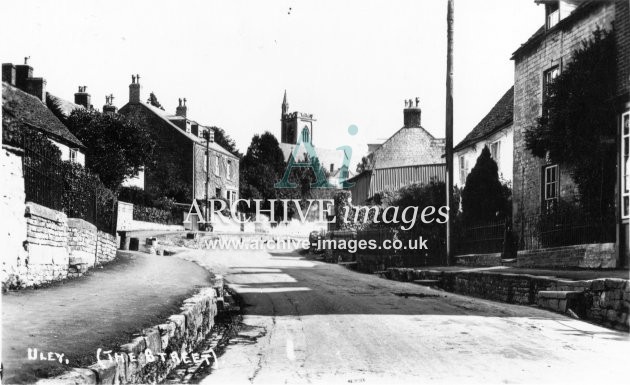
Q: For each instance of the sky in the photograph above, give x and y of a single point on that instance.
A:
(346, 62)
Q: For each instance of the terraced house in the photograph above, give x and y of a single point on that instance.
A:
(182, 161)
(539, 184)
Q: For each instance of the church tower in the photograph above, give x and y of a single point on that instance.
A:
(294, 123)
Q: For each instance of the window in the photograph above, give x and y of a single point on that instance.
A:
(231, 196)
(625, 165)
(553, 14)
(216, 165)
(73, 155)
(495, 151)
(205, 162)
(548, 77)
(550, 187)
(463, 169)
(229, 169)
(332, 168)
(217, 192)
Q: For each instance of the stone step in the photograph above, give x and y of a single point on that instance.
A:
(559, 301)
(427, 282)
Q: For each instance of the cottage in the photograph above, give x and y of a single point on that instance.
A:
(494, 131)
(181, 153)
(24, 98)
(411, 155)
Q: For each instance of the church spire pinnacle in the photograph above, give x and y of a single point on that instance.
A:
(285, 104)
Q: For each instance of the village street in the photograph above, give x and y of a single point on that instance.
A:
(310, 322)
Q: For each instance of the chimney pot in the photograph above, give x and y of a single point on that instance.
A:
(82, 98)
(134, 89)
(181, 109)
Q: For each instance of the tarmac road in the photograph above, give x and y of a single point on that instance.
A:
(311, 322)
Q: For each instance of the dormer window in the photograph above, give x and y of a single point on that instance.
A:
(552, 10)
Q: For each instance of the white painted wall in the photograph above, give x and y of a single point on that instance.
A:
(135, 181)
(472, 152)
(65, 153)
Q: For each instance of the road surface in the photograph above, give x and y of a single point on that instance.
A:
(311, 322)
(101, 309)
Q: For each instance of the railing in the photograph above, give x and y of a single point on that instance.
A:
(565, 229)
(43, 180)
(482, 238)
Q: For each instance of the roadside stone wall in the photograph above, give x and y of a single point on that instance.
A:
(48, 254)
(82, 244)
(106, 246)
(591, 256)
(149, 357)
(493, 259)
(603, 301)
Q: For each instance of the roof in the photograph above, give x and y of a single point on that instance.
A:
(24, 107)
(326, 156)
(499, 116)
(166, 118)
(64, 105)
(581, 10)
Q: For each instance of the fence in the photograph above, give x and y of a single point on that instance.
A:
(43, 179)
(482, 238)
(565, 229)
(65, 187)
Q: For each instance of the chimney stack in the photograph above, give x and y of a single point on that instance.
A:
(22, 73)
(37, 88)
(82, 98)
(181, 109)
(8, 73)
(412, 114)
(134, 89)
(109, 107)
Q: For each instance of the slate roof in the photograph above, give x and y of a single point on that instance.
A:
(499, 116)
(21, 106)
(166, 118)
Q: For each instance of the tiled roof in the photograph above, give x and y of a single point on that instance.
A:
(165, 117)
(18, 105)
(499, 116)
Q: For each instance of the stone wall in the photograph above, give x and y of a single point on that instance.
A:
(149, 357)
(592, 256)
(106, 246)
(48, 254)
(493, 259)
(13, 222)
(604, 301)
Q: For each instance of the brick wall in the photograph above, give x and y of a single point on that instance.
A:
(554, 49)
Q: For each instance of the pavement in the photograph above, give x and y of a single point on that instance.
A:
(310, 322)
(103, 309)
(569, 274)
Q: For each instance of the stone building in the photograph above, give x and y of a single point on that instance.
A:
(538, 184)
(494, 131)
(411, 155)
(299, 123)
(181, 151)
(24, 99)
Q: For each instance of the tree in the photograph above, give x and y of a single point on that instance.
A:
(577, 127)
(154, 101)
(117, 148)
(363, 165)
(225, 141)
(484, 197)
(261, 167)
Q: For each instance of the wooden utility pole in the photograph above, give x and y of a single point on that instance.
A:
(449, 128)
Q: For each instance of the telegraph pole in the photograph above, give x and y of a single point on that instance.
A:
(449, 128)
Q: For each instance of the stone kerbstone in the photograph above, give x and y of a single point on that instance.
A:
(105, 371)
(153, 339)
